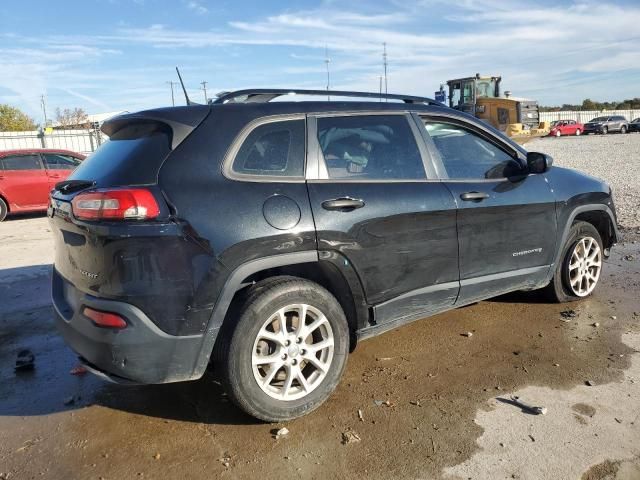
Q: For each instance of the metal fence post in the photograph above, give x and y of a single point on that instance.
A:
(93, 147)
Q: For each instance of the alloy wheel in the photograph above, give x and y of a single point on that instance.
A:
(292, 352)
(584, 266)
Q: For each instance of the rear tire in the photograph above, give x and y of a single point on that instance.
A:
(277, 374)
(580, 266)
(578, 132)
(623, 129)
(3, 210)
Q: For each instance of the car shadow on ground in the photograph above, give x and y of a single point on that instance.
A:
(522, 296)
(25, 216)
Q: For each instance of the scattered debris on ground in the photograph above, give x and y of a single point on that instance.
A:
(350, 437)
(279, 433)
(568, 314)
(467, 334)
(514, 400)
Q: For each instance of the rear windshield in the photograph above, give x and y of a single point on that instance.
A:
(132, 156)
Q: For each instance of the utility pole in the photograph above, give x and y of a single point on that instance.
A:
(44, 109)
(380, 79)
(204, 87)
(173, 101)
(384, 62)
(326, 62)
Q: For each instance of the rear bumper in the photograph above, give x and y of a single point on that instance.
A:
(140, 353)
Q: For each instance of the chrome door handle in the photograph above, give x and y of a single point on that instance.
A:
(474, 196)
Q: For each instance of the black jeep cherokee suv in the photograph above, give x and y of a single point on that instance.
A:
(266, 237)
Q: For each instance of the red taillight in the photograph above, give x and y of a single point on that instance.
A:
(116, 204)
(104, 319)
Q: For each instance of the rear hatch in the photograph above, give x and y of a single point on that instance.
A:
(138, 254)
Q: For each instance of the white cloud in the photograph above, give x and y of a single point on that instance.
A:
(197, 7)
(557, 54)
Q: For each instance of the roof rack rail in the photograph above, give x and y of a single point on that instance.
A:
(263, 95)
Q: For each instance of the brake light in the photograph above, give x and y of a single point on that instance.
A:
(104, 319)
(116, 204)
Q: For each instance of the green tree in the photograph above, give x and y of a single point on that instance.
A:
(14, 120)
(588, 104)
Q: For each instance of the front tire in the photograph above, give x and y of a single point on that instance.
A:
(605, 130)
(579, 269)
(3, 210)
(558, 134)
(287, 351)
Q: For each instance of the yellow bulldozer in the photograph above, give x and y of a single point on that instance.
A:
(518, 118)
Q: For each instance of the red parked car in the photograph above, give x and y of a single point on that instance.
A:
(27, 177)
(566, 127)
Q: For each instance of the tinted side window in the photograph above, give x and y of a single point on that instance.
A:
(21, 162)
(380, 147)
(467, 155)
(274, 149)
(55, 161)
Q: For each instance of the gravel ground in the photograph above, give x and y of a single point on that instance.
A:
(614, 158)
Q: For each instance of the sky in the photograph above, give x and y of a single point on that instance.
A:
(115, 55)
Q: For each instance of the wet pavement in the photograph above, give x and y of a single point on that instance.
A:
(440, 417)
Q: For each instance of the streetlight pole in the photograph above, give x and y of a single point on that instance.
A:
(384, 61)
(326, 62)
(204, 87)
(173, 101)
(44, 109)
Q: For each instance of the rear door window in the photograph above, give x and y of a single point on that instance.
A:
(21, 162)
(273, 149)
(55, 161)
(370, 147)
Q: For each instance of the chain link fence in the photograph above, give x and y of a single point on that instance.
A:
(583, 116)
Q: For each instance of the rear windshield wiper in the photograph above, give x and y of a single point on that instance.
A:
(69, 186)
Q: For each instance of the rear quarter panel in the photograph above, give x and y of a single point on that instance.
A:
(226, 216)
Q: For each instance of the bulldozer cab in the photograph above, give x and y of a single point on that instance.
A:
(480, 96)
(465, 92)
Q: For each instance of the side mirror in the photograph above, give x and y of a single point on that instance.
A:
(538, 162)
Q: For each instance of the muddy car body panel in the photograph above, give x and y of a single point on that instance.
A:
(389, 250)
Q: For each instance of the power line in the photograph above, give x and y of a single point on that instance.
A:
(204, 87)
(173, 101)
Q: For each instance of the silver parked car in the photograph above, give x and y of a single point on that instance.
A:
(604, 125)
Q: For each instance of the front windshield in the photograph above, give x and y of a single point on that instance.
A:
(599, 119)
(486, 88)
(636, 120)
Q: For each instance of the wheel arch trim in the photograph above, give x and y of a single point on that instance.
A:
(231, 286)
(567, 227)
